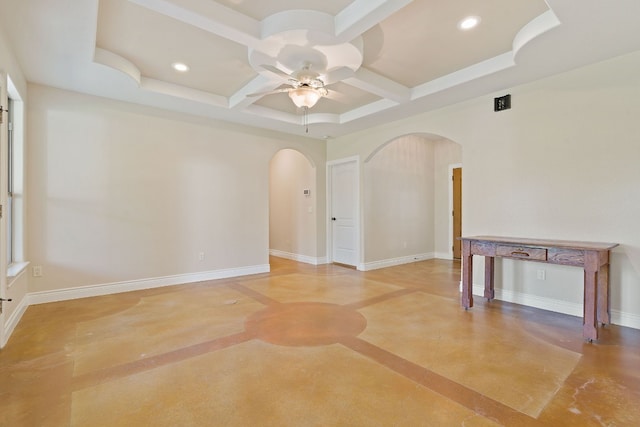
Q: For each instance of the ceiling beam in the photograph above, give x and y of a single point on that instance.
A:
(464, 75)
(209, 16)
(379, 85)
(182, 92)
(361, 15)
(366, 110)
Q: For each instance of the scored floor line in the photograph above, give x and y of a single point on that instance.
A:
(452, 390)
(152, 362)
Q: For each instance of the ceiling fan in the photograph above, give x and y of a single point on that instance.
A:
(306, 86)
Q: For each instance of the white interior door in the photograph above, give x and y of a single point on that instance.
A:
(344, 213)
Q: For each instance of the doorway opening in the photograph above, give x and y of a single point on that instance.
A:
(407, 198)
(293, 207)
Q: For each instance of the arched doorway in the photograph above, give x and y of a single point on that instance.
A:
(408, 200)
(292, 207)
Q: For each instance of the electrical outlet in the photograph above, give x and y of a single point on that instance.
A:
(541, 274)
(37, 271)
(200, 256)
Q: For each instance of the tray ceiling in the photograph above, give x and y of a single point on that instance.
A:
(380, 60)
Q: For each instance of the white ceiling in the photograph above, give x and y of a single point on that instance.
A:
(382, 60)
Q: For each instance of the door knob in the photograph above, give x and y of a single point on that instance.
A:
(333, 218)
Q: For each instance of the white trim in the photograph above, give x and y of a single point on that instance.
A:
(618, 317)
(297, 257)
(450, 185)
(374, 265)
(16, 269)
(343, 160)
(535, 301)
(621, 318)
(443, 255)
(136, 285)
(13, 320)
(359, 243)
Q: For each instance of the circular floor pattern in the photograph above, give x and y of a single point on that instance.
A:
(305, 324)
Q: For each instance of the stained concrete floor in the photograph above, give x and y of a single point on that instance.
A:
(314, 346)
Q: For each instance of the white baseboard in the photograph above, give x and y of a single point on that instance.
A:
(544, 303)
(13, 320)
(443, 255)
(625, 319)
(618, 317)
(374, 265)
(136, 285)
(297, 257)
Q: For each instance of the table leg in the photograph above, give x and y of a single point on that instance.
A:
(489, 263)
(590, 326)
(603, 295)
(467, 275)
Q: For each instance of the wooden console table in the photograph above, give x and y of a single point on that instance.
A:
(591, 256)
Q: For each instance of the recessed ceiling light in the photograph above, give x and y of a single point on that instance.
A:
(469, 22)
(179, 66)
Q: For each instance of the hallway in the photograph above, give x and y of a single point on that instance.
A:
(314, 346)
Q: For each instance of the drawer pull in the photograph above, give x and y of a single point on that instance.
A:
(519, 253)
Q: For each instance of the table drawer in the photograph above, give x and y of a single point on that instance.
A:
(566, 256)
(483, 248)
(522, 252)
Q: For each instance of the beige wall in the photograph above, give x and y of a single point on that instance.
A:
(120, 192)
(399, 200)
(292, 215)
(406, 199)
(562, 163)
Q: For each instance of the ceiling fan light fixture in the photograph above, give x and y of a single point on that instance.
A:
(305, 96)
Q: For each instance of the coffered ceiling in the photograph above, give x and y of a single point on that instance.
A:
(380, 60)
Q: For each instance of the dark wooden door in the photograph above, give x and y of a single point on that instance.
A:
(457, 212)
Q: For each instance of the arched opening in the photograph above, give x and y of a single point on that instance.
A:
(292, 207)
(408, 200)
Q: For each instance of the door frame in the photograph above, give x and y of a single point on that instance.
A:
(450, 185)
(358, 222)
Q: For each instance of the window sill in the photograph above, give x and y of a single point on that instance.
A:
(15, 269)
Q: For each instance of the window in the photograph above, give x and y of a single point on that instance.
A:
(8, 212)
(13, 165)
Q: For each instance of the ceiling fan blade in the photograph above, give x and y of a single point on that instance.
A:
(276, 70)
(270, 92)
(337, 75)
